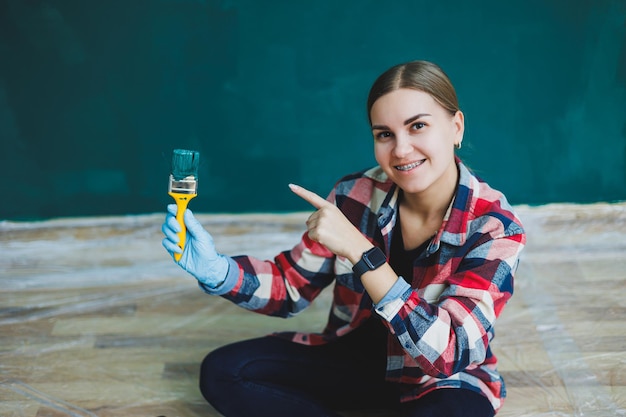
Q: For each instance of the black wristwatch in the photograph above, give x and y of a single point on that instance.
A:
(370, 260)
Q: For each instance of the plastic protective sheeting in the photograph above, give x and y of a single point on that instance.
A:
(96, 320)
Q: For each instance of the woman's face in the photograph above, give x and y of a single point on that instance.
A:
(414, 138)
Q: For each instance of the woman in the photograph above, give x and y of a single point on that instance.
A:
(422, 255)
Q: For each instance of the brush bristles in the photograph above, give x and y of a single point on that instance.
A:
(185, 163)
(188, 185)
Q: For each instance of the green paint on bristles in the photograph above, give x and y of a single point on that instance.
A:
(185, 163)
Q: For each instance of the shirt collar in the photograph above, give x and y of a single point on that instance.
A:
(453, 230)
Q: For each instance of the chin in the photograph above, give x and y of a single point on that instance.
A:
(413, 187)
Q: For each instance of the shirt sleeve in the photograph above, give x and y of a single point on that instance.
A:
(283, 286)
(446, 326)
(392, 302)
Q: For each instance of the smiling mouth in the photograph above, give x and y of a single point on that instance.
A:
(410, 166)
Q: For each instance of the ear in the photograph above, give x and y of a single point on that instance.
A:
(459, 126)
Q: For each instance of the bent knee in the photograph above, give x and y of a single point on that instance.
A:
(223, 369)
(215, 372)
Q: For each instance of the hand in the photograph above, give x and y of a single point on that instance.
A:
(199, 257)
(330, 227)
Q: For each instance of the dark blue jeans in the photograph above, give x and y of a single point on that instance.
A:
(274, 377)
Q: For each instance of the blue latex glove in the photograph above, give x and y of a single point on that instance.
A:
(199, 257)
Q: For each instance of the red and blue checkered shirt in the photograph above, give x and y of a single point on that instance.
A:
(440, 325)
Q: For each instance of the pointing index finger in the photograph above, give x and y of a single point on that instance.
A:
(309, 196)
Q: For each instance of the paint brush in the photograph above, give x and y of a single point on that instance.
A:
(183, 187)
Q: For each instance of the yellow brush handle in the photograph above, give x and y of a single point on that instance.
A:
(182, 200)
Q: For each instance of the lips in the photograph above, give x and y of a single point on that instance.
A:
(410, 166)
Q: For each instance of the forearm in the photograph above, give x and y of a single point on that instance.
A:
(378, 282)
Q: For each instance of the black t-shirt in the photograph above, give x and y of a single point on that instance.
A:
(400, 259)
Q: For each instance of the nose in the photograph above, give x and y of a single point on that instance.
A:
(403, 146)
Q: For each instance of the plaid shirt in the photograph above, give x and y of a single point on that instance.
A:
(441, 325)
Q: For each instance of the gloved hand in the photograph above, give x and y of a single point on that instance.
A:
(199, 256)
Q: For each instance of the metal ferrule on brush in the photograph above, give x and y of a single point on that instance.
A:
(187, 185)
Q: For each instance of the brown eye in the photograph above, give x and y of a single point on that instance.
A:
(383, 135)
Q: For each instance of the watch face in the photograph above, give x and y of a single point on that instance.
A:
(374, 257)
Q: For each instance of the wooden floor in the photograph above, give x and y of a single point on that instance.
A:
(95, 320)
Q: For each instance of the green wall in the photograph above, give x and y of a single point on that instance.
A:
(94, 95)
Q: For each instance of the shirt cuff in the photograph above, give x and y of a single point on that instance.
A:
(392, 302)
(232, 277)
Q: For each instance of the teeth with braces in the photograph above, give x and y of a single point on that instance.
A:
(410, 166)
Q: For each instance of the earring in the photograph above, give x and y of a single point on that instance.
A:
(458, 145)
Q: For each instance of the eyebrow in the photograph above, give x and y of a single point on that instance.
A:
(414, 118)
(406, 122)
